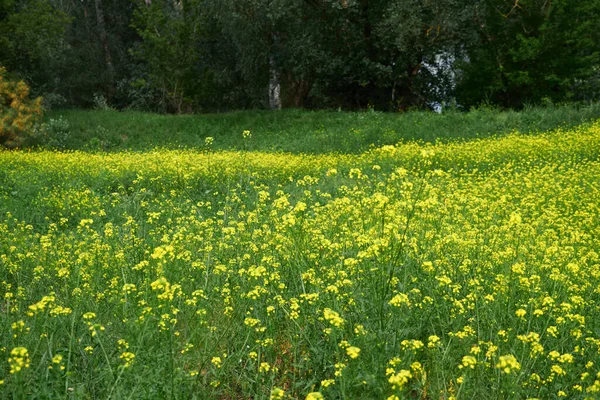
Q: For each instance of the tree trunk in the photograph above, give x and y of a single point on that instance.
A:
(110, 69)
(295, 91)
(274, 86)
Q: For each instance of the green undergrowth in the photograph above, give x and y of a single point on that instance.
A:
(300, 131)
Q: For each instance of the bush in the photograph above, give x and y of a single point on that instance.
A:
(54, 134)
(18, 113)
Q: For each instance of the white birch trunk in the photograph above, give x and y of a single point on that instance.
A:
(274, 86)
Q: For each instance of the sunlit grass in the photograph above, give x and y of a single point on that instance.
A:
(457, 270)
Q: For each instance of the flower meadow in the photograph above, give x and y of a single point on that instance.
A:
(455, 270)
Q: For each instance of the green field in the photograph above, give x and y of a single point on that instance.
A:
(378, 257)
(297, 131)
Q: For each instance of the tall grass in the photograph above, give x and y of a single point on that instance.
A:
(460, 270)
(306, 131)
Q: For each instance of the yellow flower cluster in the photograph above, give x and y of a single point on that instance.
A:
(19, 359)
(431, 270)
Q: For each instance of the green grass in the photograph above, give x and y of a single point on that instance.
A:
(466, 269)
(305, 131)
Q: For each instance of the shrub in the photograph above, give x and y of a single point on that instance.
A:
(18, 112)
(54, 134)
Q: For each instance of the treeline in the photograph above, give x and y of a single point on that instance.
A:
(197, 55)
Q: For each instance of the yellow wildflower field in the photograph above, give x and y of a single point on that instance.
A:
(446, 271)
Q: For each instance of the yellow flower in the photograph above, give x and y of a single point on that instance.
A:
(399, 300)
(216, 361)
(327, 382)
(566, 358)
(416, 366)
(353, 351)
(339, 369)
(469, 362)
(554, 355)
(89, 315)
(508, 364)
(264, 367)
(552, 330)
(19, 359)
(538, 313)
(333, 317)
(127, 358)
(277, 394)
(360, 330)
(400, 379)
(557, 369)
(314, 396)
(433, 341)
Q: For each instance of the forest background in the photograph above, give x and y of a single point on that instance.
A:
(181, 56)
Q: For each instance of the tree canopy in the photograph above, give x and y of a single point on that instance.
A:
(195, 55)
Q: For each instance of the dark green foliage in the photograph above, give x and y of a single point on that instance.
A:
(531, 50)
(82, 76)
(31, 38)
(169, 33)
(219, 55)
(344, 53)
(383, 48)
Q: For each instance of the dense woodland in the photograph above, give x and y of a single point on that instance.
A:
(181, 56)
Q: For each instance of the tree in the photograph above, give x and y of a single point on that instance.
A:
(95, 63)
(530, 50)
(31, 34)
(191, 55)
(110, 69)
(170, 31)
(18, 113)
